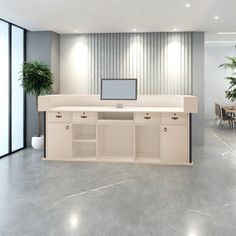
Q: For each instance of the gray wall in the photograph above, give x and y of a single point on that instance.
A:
(198, 52)
(44, 47)
(55, 60)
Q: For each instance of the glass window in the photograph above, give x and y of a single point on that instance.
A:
(11, 92)
(16, 89)
(4, 88)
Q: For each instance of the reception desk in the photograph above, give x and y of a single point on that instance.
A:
(153, 129)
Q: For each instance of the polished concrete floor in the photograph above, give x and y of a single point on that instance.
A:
(58, 198)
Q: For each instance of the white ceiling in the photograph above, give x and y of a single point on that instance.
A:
(86, 16)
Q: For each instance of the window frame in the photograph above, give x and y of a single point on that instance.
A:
(10, 25)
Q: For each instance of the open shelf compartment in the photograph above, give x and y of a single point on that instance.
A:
(116, 142)
(84, 132)
(84, 151)
(147, 143)
(119, 116)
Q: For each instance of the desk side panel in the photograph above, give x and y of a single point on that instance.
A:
(190, 104)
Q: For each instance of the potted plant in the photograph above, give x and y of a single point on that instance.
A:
(231, 92)
(37, 79)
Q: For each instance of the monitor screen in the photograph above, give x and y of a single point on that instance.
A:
(118, 89)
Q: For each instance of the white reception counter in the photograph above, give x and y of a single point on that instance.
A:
(153, 129)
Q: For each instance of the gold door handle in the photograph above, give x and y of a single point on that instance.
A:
(58, 116)
(67, 127)
(165, 129)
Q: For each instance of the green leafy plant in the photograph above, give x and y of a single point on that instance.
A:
(37, 79)
(231, 92)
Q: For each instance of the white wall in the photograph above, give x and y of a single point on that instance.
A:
(215, 84)
(74, 64)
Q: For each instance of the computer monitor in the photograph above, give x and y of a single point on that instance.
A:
(118, 89)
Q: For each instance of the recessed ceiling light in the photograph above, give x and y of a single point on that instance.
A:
(227, 33)
(216, 17)
(176, 29)
(187, 5)
(134, 30)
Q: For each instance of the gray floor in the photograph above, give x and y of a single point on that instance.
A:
(58, 198)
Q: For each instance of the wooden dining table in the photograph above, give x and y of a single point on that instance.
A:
(230, 109)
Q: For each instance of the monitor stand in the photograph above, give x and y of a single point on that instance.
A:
(119, 105)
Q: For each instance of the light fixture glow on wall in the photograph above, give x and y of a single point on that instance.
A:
(79, 56)
(176, 29)
(135, 52)
(134, 30)
(173, 52)
(187, 5)
(216, 17)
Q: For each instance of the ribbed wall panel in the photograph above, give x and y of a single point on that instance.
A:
(160, 61)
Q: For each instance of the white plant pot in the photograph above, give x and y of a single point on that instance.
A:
(38, 142)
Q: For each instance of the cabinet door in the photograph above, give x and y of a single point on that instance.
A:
(174, 144)
(58, 141)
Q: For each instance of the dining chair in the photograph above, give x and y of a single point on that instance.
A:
(223, 116)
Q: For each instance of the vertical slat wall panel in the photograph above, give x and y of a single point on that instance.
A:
(160, 61)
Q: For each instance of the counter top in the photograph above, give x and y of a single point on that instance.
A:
(114, 109)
